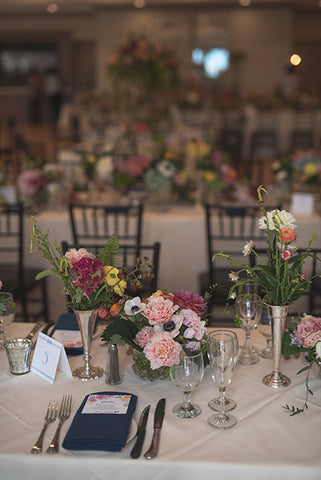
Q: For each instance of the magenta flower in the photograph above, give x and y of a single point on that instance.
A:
(89, 273)
(190, 300)
(162, 351)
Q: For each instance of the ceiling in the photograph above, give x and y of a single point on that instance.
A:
(13, 7)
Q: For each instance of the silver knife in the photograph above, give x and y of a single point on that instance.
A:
(32, 332)
(141, 430)
(158, 422)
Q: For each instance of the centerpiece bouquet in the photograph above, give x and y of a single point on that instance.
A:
(158, 328)
(299, 170)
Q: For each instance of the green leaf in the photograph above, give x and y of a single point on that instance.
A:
(108, 255)
(122, 329)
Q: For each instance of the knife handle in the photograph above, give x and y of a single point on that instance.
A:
(153, 449)
(137, 448)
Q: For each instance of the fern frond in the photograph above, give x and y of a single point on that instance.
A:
(108, 255)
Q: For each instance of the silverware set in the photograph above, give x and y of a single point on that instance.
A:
(50, 417)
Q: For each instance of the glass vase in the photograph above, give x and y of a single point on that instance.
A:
(141, 367)
(276, 379)
(86, 321)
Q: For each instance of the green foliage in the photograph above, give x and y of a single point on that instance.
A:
(121, 330)
(108, 255)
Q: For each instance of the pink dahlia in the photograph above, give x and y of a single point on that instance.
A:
(162, 351)
(159, 310)
(144, 336)
(190, 300)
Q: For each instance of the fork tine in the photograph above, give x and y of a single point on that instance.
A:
(62, 406)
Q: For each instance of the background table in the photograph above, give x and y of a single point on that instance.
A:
(182, 233)
(266, 442)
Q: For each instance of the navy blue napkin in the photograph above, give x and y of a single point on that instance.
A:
(68, 321)
(100, 431)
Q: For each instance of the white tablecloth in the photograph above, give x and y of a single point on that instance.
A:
(182, 233)
(266, 442)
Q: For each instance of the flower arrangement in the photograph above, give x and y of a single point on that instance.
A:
(3, 307)
(280, 276)
(299, 169)
(32, 184)
(160, 326)
(90, 281)
(217, 172)
(303, 335)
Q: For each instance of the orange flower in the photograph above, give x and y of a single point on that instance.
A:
(287, 235)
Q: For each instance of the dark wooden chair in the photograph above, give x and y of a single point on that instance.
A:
(127, 256)
(96, 223)
(29, 294)
(228, 229)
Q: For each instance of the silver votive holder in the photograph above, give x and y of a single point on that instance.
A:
(18, 353)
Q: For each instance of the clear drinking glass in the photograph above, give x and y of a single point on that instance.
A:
(265, 328)
(7, 312)
(215, 403)
(221, 354)
(186, 376)
(248, 288)
(249, 308)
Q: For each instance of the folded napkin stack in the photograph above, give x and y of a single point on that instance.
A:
(101, 422)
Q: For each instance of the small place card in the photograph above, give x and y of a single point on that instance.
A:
(48, 357)
(114, 404)
(69, 338)
(302, 203)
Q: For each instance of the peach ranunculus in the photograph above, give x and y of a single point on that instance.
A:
(74, 255)
(287, 235)
(159, 310)
(162, 351)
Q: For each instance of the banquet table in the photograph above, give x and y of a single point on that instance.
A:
(181, 232)
(265, 443)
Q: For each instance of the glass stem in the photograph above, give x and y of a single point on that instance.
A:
(247, 341)
(222, 402)
(269, 344)
(187, 398)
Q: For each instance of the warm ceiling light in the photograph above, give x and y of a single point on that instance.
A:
(245, 3)
(295, 59)
(139, 3)
(52, 8)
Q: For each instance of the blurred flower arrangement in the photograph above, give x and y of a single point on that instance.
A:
(3, 307)
(90, 281)
(160, 326)
(140, 68)
(303, 335)
(300, 169)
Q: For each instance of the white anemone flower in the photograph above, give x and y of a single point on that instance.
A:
(172, 326)
(133, 306)
(277, 219)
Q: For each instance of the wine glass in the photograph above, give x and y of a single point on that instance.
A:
(265, 328)
(221, 354)
(248, 288)
(187, 375)
(6, 314)
(249, 308)
(215, 403)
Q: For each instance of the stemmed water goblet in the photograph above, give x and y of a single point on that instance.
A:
(221, 351)
(264, 326)
(187, 375)
(215, 403)
(249, 308)
(7, 313)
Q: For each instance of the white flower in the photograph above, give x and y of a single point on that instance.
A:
(248, 247)
(172, 326)
(318, 350)
(166, 168)
(277, 219)
(233, 276)
(104, 167)
(232, 295)
(133, 306)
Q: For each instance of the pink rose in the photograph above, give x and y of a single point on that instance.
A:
(159, 310)
(312, 339)
(162, 351)
(307, 326)
(144, 336)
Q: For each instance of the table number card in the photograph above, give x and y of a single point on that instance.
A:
(49, 356)
(302, 204)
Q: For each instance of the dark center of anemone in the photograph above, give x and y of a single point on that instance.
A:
(135, 308)
(169, 326)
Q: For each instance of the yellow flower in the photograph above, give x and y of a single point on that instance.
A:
(310, 169)
(120, 288)
(170, 155)
(91, 159)
(209, 176)
(197, 149)
(112, 279)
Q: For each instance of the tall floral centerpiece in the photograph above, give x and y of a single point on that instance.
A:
(93, 283)
(279, 276)
(158, 328)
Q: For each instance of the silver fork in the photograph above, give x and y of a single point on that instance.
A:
(63, 415)
(50, 417)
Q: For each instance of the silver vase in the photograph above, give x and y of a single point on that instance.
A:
(276, 379)
(86, 321)
(113, 373)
